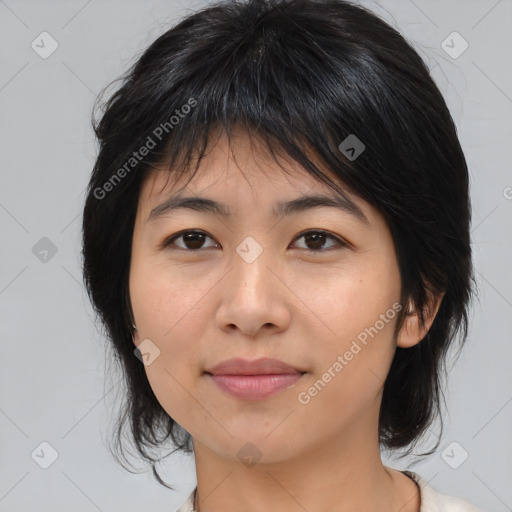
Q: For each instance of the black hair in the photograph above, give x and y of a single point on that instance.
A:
(302, 76)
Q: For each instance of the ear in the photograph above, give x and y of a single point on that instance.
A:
(412, 332)
(136, 338)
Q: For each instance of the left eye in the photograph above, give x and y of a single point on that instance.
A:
(193, 240)
(317, 239)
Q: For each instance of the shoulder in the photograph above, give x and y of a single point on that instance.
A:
(433, 501)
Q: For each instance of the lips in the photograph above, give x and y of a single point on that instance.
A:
(262, 366)
(254, 380)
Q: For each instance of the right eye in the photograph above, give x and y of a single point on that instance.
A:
(192, 240)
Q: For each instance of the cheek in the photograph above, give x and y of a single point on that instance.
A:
(167, 313)
(354, 313)
(172, 320)
(174, 375)
(350, 372)
(342, 302)
(165, 300)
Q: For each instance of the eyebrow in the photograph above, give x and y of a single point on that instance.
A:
(281, 209)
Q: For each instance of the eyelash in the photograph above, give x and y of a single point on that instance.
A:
(168, 241)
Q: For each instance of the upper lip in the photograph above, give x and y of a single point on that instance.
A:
(262, 366)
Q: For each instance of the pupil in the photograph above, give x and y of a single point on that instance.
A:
(316, 236)
(189, 237)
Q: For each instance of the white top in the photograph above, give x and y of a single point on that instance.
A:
(431, 500)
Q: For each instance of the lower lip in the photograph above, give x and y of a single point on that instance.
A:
(255, 387)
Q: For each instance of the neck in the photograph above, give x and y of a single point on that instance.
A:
(344, 474)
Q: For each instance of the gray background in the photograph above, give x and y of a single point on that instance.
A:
(53, 387)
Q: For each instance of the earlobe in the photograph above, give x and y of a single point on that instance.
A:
(412, 332)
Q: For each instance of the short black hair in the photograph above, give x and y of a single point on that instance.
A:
(302, 76)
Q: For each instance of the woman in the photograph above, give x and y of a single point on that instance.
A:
(276, 238)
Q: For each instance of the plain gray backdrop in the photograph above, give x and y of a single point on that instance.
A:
(57, 407)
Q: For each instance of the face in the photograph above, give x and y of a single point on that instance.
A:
(316, 288)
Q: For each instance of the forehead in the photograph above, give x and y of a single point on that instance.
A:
(243, 173)
(228, 164)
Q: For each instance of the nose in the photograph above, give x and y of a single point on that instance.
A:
(254, 298)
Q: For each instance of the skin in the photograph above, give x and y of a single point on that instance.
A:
(208, 304)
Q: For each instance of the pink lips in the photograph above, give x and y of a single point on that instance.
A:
(254, 380)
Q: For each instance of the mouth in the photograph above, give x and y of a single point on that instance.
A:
(253, 379)
(255, 387)
(261, 366)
